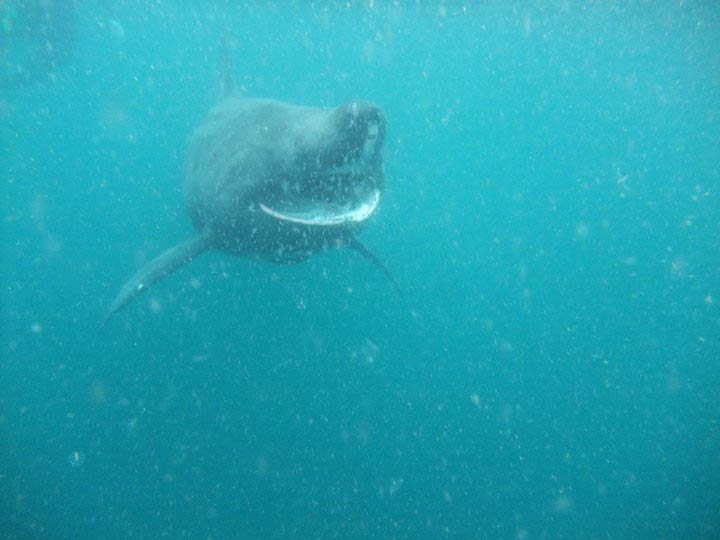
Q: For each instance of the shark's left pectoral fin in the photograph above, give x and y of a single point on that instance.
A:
(356, 245)
(162, 265)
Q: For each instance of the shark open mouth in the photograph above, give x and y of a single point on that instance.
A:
(327, 213)
(345, 196)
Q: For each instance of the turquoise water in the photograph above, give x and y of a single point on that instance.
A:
(551, 212)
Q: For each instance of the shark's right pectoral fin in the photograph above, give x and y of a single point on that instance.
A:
(355, 244)
(162, 265)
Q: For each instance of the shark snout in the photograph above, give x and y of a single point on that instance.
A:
(361, 127)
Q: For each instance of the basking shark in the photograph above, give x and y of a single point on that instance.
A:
(278, 182)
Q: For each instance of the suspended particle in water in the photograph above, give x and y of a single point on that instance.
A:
(76, 459)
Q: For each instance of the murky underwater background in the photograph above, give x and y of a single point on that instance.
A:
(552, 212)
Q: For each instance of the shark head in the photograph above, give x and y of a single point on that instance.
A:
(336, 177)
(282, 182)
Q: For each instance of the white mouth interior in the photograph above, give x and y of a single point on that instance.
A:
(327, 213)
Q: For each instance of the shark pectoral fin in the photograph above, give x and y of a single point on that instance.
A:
(162, 265)
(355, 244)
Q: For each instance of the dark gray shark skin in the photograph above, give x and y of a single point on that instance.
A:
(278, 182)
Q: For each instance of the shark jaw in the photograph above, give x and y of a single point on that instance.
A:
(326, 213)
